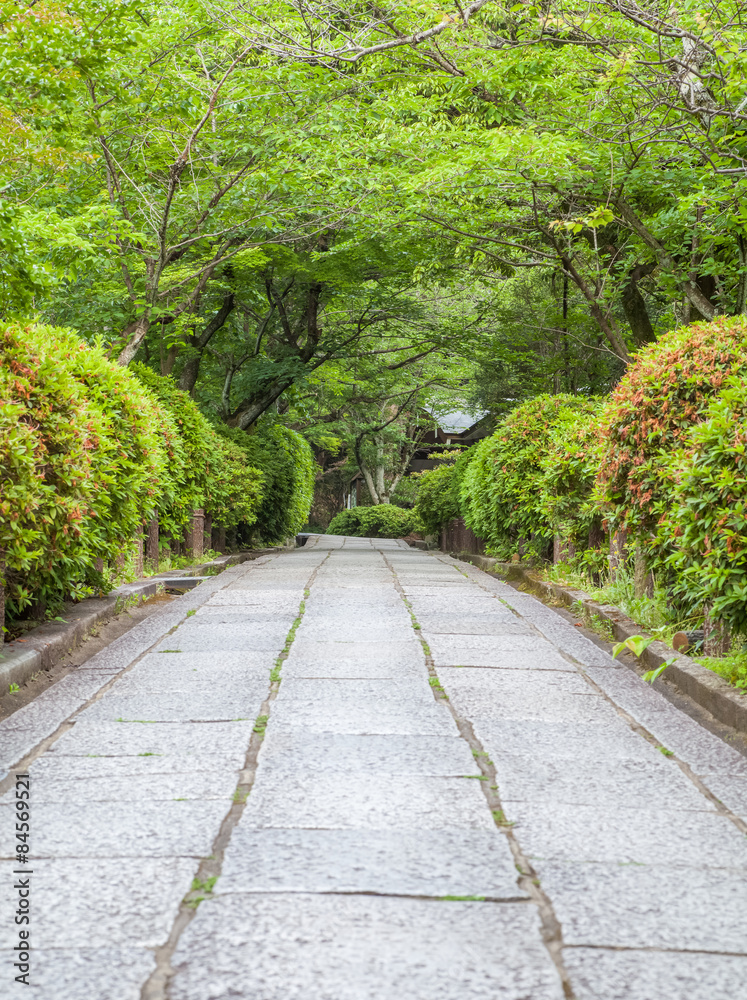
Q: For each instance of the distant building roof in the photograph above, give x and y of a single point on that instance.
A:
(458, 421)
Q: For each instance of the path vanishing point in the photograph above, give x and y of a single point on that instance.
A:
(358, 771)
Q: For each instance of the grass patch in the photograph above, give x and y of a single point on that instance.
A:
(732, 667)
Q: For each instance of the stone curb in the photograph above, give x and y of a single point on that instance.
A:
(44, 646)
(705, 688)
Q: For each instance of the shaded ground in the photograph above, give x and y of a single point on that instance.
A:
(359, 771)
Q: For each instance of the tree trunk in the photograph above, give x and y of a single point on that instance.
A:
(135, 333)
(194, 535)
(562, 551)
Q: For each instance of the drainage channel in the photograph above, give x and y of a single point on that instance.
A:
(156, 986)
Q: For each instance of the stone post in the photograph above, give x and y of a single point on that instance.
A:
(207, 532)
(151, 543)
(194, 538)
(618, 552)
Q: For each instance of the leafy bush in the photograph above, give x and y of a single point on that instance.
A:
(702, 538)
(80, 464)
(205, 470)
(651, 412)
(381, 521)
(287, 464)
(501, 495)
(569, 469)
(437, 503)
(347, 522)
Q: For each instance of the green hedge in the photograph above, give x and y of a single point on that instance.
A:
(702, 539)
(381, 521)
(89, 452)
(437, 501)
(289, 470)
(80, 463)
(206, 470)
(501, 493)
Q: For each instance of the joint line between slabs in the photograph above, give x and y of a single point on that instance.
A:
(157, 985)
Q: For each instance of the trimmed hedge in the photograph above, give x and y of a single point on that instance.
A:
(90, 451)
(501, 496)
(702, 539)
(205, 471)
(384, 520)
(651, 412)
(289, 470)
(80, 463)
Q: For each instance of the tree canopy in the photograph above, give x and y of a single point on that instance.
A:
(324, 209)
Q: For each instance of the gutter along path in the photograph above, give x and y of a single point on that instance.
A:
(263, 792)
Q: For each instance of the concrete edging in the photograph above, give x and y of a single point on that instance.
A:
(43, 647)
(707, 689)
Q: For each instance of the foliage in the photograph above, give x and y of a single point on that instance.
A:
(287, 464)
(569, 470)
(80, 464)
(380, 521)
(702, 537)
(205, 471)
(651, 411)
(436, 503)
(732, 667)
(501, 492)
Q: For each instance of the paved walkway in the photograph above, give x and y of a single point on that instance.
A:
(358, 771)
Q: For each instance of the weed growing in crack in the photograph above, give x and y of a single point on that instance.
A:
(667, 753)
(261, 724)
(13, 688)
(240, 797)
(500, 818)
(190, 613)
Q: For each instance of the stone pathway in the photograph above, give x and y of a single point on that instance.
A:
(358, 771)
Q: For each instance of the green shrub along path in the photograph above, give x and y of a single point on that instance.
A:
(362, 771)
(91, 452)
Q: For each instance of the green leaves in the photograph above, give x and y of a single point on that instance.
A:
(635, 644)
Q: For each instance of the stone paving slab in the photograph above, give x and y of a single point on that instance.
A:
(547, 740)
(303, 752)
(644, 906)
(549, 695)
(85, 973)
(153, 787)
(153, 829)
(313, 663)
(57, 768)
(432, 863)
(115, 739)
(625, 783)
(200, 704)
(472, 624)
(355, 948)
(509, 652)
(365, 802)
(99, 905)
(399, 690)
(645, 975)
(554, 831)
(355, 719)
